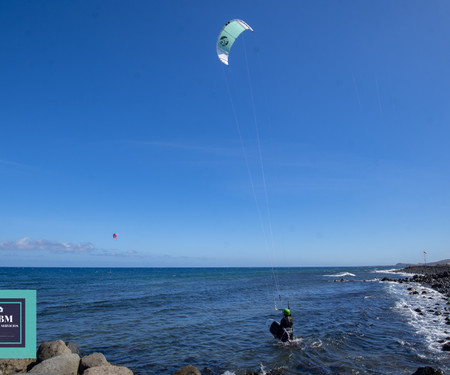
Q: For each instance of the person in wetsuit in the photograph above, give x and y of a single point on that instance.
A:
(287, 323)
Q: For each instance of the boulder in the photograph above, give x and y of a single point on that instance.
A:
(64, 364)
(188, 370)
(14, 366)
(108, 370)
(92, 360)
(73, 347)
(446, 347)
(428, 371)
(49, 349)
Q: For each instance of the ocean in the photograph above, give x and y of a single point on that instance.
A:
(157, 320)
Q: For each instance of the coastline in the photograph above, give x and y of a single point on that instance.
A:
(436, 277)
(59, 358)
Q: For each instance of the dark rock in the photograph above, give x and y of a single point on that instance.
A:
(92, 360)
(428, 371)
(73, 347)
(49, 349)
(436, 277)
(446, 347)
(188, 370)
(14, 366)
(65, 364)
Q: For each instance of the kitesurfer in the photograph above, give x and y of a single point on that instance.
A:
(287, 323)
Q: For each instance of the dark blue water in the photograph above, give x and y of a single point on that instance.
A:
(156, 321)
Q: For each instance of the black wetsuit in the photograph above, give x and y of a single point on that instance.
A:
(288, 324)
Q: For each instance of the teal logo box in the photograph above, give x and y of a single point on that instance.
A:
(17, 324)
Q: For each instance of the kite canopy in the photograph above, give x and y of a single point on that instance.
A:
(227, 36)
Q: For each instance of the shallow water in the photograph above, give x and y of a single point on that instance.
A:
(159, 320)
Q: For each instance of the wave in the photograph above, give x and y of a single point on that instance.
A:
(342, 274)
(393, 271)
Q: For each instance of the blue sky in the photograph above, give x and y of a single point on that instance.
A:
(117, 117)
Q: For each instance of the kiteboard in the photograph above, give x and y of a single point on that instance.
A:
(279, 332)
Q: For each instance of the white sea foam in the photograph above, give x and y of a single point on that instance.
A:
(420, 311)
(376, 279)
(342, 274)
(393, 271)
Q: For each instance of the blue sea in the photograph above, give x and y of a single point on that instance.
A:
(157, 320)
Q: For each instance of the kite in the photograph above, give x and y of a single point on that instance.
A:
(227, 37)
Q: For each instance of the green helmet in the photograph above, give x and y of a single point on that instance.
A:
(286, 312)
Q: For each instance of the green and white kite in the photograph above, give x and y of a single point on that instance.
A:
(227, 36)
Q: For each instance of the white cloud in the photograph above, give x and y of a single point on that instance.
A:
(27, 244)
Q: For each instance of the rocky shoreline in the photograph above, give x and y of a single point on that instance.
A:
(59, 358)
(434, 277)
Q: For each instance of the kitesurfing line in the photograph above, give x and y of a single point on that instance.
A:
(261, 162)
(252, 184)
(223, 48)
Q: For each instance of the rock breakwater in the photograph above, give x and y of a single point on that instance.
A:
(435, 277)
(59, 358)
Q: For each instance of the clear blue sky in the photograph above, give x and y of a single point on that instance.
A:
(115, 117)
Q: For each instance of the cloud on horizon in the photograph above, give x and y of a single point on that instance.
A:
(28, 244)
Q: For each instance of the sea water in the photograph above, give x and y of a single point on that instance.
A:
(157, 320)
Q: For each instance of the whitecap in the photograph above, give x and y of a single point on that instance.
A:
(393, 271)
(342, 274)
